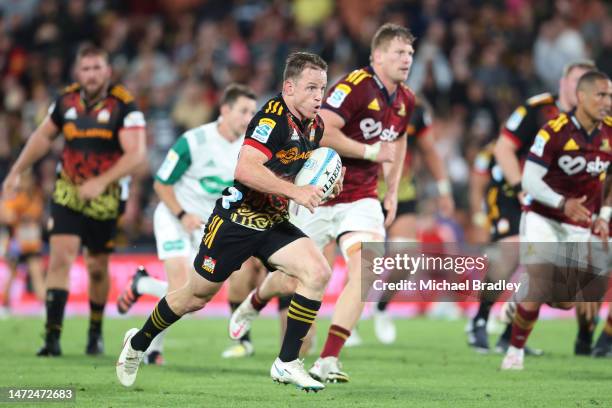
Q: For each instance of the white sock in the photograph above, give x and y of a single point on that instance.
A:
(158, 343)
(152, 286)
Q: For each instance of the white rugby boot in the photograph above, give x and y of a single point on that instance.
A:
(129, 360)
(293, 372)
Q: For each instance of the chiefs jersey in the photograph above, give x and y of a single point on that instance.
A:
(523, 125)
(287, 142)
(371, 115)
(576, 161)
(91, 145)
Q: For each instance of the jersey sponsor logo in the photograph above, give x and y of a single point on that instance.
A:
(571, 145)
(514, 121)
(103, 116)
(291, 155)
(574, 165)
(374, 105)
(167, 167)
(539, 143)
(371, 129)
(605, 145)
(176, 245)
(209, 264)
(71, 114)
(338, 96)
(294, 135)
(215, 185)
(72, 132)
(263, 130)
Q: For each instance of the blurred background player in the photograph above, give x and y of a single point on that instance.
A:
(564, 173)
(192, 177)
(23, 214)
(504, 195)
(104, 140)
(404, 227)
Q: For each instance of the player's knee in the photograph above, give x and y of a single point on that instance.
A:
(319, 274)
(288, 285)
(97, 276)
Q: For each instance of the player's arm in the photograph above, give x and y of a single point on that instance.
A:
(435, 164)
(252, 172)
(540, 157)
(38, 144)
(479, 180)
(132, 139)
(602, 223)
(175, 164)
(392, 173)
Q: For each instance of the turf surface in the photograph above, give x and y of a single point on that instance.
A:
(429, 366)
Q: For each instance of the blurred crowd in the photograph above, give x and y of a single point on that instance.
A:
(475, 61)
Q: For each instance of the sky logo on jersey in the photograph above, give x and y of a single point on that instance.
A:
(263, 130)
(71, 114)
(574, 165)
(209, 264)
(371, 129)
(167, 167)
(338, 96)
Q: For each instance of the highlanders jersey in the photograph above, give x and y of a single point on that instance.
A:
(200, 166)
(371, 115)
(577, 162)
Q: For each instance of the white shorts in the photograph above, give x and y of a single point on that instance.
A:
(544, 240)
(329, 222)
(171, 239)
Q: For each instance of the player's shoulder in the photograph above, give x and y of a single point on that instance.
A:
(269, 120)
(121, 93)
(200, 135)
(540, 100)
(409, 94)
(558, 124)
(72, 88)
(607, 122)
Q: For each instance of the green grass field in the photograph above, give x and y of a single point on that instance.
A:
(430, 366)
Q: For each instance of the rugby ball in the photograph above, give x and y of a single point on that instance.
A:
(322, 169)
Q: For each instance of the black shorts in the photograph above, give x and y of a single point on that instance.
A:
(97, 236)
(407, 207)
(503, 211)
(226, 245)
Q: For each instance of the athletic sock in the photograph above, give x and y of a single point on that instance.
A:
(233, 307)
(522, 325)
(336, 337)
(257, 302)
(484, 310)
(55, 304)
(161, 318)
(96, 313)
(300, 316)
(151, 286)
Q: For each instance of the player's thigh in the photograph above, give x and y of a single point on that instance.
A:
(301, 259)
(201, 288)
(318, 226)
(65, 232)
(243, 280)
(171, 239)
(357, 222)
(224, 248)
(177, 271)
(504, 216)
(403, 228)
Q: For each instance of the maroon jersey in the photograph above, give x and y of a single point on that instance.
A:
(91, 145)
(371, 115)
(577, 162)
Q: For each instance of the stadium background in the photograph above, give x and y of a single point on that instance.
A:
(474, 62)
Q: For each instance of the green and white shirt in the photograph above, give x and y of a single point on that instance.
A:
(200, 166)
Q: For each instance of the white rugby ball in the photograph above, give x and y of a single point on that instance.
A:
(322, 169)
